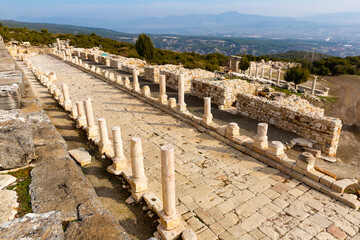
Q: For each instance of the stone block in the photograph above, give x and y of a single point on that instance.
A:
(327, 180)
(81, 156)
(340, 185)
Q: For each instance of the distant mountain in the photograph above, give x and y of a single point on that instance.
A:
(292, 55)
(344, 18)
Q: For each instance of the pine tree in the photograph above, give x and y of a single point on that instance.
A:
(145, 47)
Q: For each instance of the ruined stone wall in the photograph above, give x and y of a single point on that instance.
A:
(299, 117)
(222, 92)
(151, 73)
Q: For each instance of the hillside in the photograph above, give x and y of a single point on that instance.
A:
(297, 55)
(204, 44)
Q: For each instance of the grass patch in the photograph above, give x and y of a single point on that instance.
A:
(286, 91)
(22, 189)
(353, 189)
(329, 99)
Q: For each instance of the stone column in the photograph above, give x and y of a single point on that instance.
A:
(250, 67)
(119, 159)
(169, 217)
(230, 62)
(138, 180)
(313, 86)
(91, 130)
(104, 144)
(257, 71)
(207, 117)
(127, 82)
(81, 120)
(278, 76)
(162, 91)
(136, 85)
(232, 130)
(146, 91)
(181, 93)
(263, 71)
(236, 65)
(67, 100)
(270, 73)
(261, 139)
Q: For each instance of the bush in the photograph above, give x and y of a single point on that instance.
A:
(297, 75)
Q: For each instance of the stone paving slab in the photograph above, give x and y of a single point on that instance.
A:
(222, 193)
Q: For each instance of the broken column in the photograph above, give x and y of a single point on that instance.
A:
(67, 100)
(119, 80)
(230, 62)
(276, 148)
(236, 65)
(91, 129)
(257, 71)
(170, 222)
(136, 85)
(207, 117)
(81, 120)
(146, 91)
(313, 88)
(263, 71)
(162, 90)
(138, 180)
(306, 161)
(181, 93)
(119, 159)
(261, 139)
(232, 130)
(74, 112)
(104, 144)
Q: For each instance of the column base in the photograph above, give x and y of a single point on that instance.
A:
(92, 132)
(169, 222)
(182, 108)
(116, 170)
(67, 105)
(261, 143)
(207, 119)
(170, 234)
(136, 88)
(138, 196)
(139, 185)
(81, 122)
(163, 99)
(103, 148)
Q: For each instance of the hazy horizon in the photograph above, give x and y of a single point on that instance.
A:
(129, 10)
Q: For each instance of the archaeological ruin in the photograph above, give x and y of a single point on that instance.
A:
(200, 178)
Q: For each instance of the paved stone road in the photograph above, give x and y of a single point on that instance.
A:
(222, 193)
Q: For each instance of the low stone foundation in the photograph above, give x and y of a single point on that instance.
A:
(222, 92)
(323, 131)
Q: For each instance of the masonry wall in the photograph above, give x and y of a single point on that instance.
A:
(222, 92)
(323, 131)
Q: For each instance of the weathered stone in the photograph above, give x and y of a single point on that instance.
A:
(188, 234)
(34, 226)
(81, 156)
(8, 206)
(97, 226)
(6, 180)
(16, 140)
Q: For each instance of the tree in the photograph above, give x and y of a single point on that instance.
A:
(297, 75)
(244, 64)
(145, 47)
(323, 71)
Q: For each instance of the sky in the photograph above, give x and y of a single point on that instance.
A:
(121, 10)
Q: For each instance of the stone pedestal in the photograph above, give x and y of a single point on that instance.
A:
(261, 139)
(207, 117)
(138, 180)
(98, 70)
(170, 219)
(67, 100)
(119, 159)
(104, 144)
(111, 77)
(127, 83)
(172, 103)
(74, 112)
(91, 129)
(306, 161)
(181, 93)
(119, 80)
(146, 91)
(232, 130)
(276, 148)
(135, 85)
(162, 90)
(81, 119)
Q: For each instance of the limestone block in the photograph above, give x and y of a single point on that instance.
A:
(232, 130)
(340, 185)
(81, 156)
